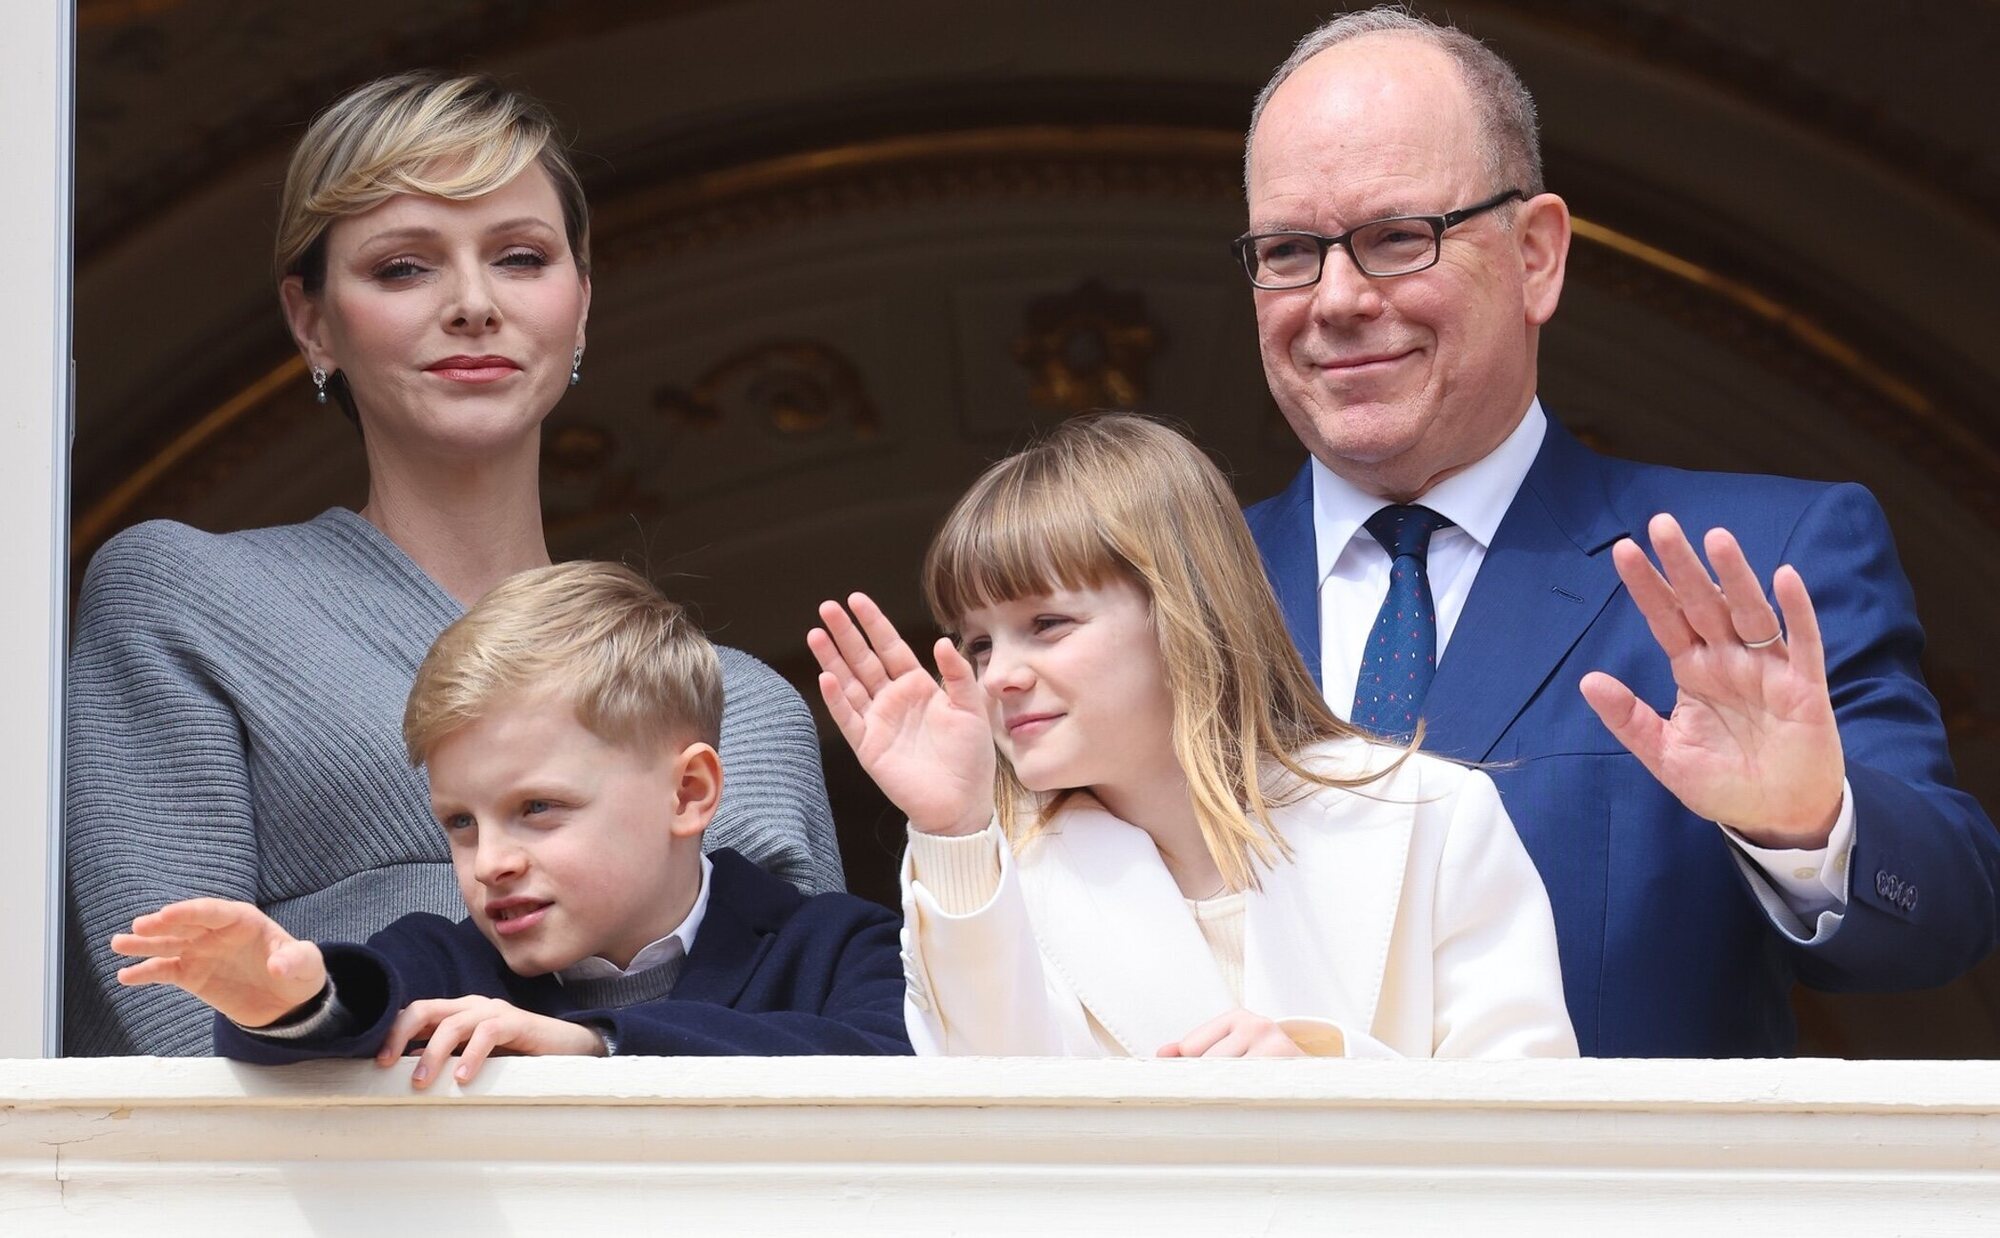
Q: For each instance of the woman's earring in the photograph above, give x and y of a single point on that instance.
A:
(576, 367)
(319, 385)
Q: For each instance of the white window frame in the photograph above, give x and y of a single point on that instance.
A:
(37, 418)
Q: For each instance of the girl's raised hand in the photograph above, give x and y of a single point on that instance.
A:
(926, 744)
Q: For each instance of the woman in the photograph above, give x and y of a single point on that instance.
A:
(235, 700)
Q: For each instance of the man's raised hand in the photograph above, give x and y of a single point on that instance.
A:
(1752, 742)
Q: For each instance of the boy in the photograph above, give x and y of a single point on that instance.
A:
(569, 723)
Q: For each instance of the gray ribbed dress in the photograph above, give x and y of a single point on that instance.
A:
(234, 729)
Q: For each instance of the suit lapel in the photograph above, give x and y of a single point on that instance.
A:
(1317, 936)
(726, 950)
(1283, 528)
(1113, 924)
(1544, 581)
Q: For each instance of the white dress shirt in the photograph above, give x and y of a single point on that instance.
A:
(679, 942)
(1804, 892)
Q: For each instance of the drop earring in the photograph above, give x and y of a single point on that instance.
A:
(319, 385)
(576, 367)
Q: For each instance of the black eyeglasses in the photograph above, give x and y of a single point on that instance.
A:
(1403, 245)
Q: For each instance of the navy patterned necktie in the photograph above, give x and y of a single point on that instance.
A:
(1401, 658)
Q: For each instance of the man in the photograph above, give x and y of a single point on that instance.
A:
(1794, 818)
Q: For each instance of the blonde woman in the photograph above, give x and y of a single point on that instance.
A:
(1135, 828)
(235, 701)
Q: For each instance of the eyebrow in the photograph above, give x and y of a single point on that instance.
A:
(421, 233)
(1395, 210)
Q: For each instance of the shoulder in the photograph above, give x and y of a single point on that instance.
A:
(430, 933)
(1268, 516)
(1396, 782)
(165, 558)
(1757, 507)
(753, 694)
(770, 904)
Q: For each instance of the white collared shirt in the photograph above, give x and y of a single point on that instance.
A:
(680, 943)
(1802, 891)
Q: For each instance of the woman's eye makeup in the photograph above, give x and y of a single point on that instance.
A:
(397, 269)
(526, 259)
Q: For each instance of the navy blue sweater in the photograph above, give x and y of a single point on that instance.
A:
(772, 972)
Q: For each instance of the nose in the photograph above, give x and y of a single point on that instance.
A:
(471, 307)
(1005, 670)
(498, 859)
(1343, 291)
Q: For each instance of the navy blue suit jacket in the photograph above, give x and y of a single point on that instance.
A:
(1665, 950)
(772, 972)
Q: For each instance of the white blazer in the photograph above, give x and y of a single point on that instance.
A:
(1410, 918)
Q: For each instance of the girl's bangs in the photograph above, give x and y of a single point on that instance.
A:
(1020, 536)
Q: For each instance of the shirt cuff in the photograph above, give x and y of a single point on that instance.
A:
(324, 1017)
(962, 873)
(1803, 886)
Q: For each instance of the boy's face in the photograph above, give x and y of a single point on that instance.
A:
(567, 846)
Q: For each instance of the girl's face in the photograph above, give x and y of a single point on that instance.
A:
(453, 321)
(1076, 688)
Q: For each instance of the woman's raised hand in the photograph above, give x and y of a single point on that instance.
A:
(926, 744)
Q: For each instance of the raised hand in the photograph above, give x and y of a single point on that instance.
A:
(481, 1026)
(229, 954)
(1239, 1033)
(926, 744)
(1751, 742)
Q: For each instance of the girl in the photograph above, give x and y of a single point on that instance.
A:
(1183, 853)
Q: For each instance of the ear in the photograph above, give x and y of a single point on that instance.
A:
(308, 323)
(1542, 230)
(583, 312)
(697, 789)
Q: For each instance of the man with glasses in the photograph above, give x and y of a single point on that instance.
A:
(1450, 556)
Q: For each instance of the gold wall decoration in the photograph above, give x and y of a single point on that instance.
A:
(792, 387)
(1088, 348)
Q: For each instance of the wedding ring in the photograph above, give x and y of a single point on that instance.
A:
(1767, 642)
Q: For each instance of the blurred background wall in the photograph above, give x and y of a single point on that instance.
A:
(848, 253)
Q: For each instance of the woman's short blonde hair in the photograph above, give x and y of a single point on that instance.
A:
(638, 671)
(422, 133)
(1115, 495)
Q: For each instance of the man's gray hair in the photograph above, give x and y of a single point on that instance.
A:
(1509, 142)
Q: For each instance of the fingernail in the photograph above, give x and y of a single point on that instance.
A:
(420, 1074)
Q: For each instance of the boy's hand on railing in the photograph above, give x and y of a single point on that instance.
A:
(229, 954)
(927, 744)
(481, 1025)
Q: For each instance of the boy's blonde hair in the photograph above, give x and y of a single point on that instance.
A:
(1115, 495)
(638, 671)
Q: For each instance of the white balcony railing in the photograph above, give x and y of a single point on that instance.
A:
(987, 1146)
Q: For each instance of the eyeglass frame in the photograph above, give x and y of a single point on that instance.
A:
(1440, 224)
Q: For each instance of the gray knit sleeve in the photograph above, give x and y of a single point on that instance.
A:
(157, 803)
(774, 808)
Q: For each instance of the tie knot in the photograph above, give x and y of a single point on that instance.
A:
(1405, 529)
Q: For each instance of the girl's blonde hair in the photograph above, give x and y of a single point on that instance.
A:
(1114, 495)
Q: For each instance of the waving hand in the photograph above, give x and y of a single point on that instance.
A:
(926, 743)
(1751, 742)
